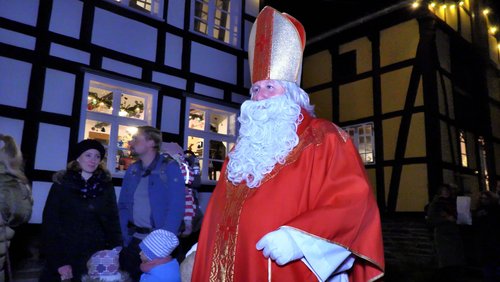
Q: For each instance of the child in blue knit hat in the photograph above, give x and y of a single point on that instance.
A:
(157, 262)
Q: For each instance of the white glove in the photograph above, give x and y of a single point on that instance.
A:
(280, 246)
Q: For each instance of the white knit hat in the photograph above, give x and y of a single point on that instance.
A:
(159, 244)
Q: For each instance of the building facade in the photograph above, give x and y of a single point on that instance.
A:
(417, 85)
(75, 69)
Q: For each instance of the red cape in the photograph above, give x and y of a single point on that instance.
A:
(322, 190)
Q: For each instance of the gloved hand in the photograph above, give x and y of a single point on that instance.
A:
(66, 272)
(280, 246)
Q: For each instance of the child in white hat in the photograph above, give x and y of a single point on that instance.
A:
(157, 262)
(103, 266)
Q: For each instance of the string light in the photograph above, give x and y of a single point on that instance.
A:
(486, 11)
(461, 3)
(415, 4)
(493, 30)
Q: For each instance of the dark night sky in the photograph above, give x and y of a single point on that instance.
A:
(320, 16)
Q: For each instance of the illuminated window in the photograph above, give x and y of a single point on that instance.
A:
(153, 7)
(217, 19)
(362, 137)
(111, 112)
(463, 149)
(210, 134)
(484, 165)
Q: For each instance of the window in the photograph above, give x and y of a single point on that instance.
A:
(111, 112)
(362, 136)
(210, 134)
(485, 178)
(153, 7)
(463, 149)
(218, 19)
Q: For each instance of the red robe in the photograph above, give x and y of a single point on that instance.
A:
(322, 190)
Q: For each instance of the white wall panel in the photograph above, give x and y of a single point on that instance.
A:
(209, 91)
(170, 115)
(14, 82)
(66, 17)
(12, 127)
(23, 11)
(52, 147)
(246, 74)
(58, 92)
(173, 51)
(248, 28)
(252, 7)
(238, 98)
(169, 80)
(17, 39)
(69, 53)
(121, 67)
(213, 63)
(175, 14)
(124, 35)
(40, 193)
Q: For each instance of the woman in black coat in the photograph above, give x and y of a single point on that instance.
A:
(80, 215)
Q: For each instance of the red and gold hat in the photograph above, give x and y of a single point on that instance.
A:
(275, 47)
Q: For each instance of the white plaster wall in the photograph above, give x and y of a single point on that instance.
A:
(252, 7)
(209, 91)
(175, 14)
(52, 147)
(213, 63)
(124, 35)
(248, 28)
(40, 193)
(170, 115)
(58, 92)
(12, 127)
(238, 98)
(121, 67)
(246, 74)
(66, 17)
(69, 53)
(17, 39)
(169, 80)
(173, 51)
(23, 11)
(14, 82)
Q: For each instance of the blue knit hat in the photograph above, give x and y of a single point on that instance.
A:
(159, 244)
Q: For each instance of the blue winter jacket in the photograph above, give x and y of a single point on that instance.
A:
(166, 196)
(168, 272)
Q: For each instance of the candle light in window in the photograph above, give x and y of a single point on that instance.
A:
(132, 130)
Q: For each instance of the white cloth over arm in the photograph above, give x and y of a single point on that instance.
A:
(328, 261)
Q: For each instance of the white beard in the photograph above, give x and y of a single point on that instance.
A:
(268, 133)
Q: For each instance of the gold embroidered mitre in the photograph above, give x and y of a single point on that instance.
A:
(275, 47)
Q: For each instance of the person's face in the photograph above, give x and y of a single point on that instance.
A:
(143, 257)
(140, 145)
(265, 89)
(89, 160)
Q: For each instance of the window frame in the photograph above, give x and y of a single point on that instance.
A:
(156, 5)
(234, 17)
(207, 135)
(355, 139)
(462, 145)
(150, 107)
